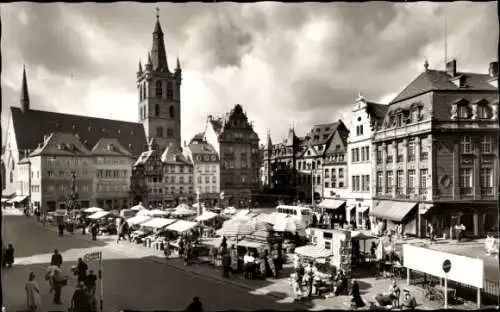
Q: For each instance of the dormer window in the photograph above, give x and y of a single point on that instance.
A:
(111, 147)
(483, 110)
(463, 111)
(459, 81)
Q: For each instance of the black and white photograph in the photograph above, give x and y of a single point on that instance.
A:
(207, 156)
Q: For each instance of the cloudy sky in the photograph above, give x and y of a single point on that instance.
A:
(282, 62)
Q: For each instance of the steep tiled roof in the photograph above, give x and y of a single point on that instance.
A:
(143, 158)
(320, 134)
(173, 155)
(61, 144)
(110, 147)
(439, 80)
(377, 110)
(31, 126)
(218, 125)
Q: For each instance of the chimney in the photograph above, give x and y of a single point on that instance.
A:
(45, 138)
(493, 70)
(451, 68)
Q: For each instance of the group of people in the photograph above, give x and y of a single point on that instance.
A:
(392, 298)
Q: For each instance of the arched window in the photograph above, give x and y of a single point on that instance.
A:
(483, 111)
(11, 178)
(463, 111)
(144, 94)
(158, 89)
(157, 110)
(171, 111)
(170, 91)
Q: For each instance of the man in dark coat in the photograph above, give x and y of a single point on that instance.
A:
(356, 299)
(56, 259)
(195, 306)
(81, 270)
(8, 257)
(95, 230)
(80, 301)
(226, 264)
(91, 282)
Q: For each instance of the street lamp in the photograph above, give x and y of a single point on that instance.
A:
(73, 197)
(198, 200)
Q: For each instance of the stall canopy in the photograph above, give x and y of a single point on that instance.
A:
(181, 226)
(138, 220)
(392, 210)
(17, 199)
(289, 224)
(236, 227)
(138, 207)
(4, 200)
(206, 215)
(230, 210)
(157, 212)
(363, 208)
(158, 223)
(249, 244)
(356, 235)
(312, 251)
(242, 213)
(92, 210)
(332, 204)
(183, 210)
(98, 215)
(267, 217)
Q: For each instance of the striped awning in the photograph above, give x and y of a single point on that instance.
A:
(17, 199)
(312, 251)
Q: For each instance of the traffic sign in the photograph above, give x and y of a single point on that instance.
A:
(93, 256)
(446, 266)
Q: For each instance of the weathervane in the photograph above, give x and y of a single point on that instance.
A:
(157, 13)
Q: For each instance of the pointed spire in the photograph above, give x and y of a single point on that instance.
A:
(269, 141)
(25, 98)
(139, 70)
(149, 63)
(178, 68)
(426, 65)
(159, 54)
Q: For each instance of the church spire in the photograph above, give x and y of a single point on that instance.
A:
(158, 52)
(178, 68)
(25, 98)
(139, 70)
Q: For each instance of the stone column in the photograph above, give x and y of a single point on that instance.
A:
(417, 164)
(405, 166)
(394, 167)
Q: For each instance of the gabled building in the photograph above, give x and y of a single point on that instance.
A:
(366, 117)
(206, 169)
(278, 167)
(177, 176)
(310, 159)
(46, 175)
(437, 153)
(237, 144)
(113, 168)
(28, 127)
(147, 177)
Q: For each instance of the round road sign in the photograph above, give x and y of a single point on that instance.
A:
(446, 266)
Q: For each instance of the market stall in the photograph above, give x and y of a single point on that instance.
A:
(92, 210)
(183, 210)
(138, 207)
(323, 272)
(98, 215)
(289, 224)
(181, 226)
(206, 216)
(137, 220)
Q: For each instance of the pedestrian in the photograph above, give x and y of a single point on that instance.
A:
(56, 259)
(431, 233)
(226, 264)
(94, 229)
(81, 270)
(91, 282)
(58, 282)
(61, 228)
(195, 306)
(37, 213)
(8, 257)
(33, 301)
(80, 301)
(356, 300)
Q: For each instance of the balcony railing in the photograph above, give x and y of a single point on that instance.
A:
(399, 190)
(411, 157)
(487, 191)
(466, 191)
(424, 156)
(388, 159)
(410, 190)
(423, 191)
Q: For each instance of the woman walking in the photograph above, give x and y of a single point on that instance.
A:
(32, 294)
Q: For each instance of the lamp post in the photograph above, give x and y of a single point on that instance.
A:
(198, 201)
(73, 197)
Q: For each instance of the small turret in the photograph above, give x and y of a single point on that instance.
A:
(149, 64)
(178, 68)
(139, 70)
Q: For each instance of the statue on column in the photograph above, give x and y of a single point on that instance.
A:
(474, 111)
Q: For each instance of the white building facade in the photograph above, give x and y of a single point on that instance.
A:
(365, 116)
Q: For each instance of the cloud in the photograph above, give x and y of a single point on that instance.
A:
(282, 62)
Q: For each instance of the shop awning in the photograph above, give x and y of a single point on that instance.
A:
(181, 226)
(392, 210)
(138, 220)
(98, 215)
(312, 251)
(331, 204)
(249, 244)
(92, 210)
(17, 199)
(362, 209)
(4, 200)
(158, 223)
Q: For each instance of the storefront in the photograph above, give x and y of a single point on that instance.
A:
(397, 213)
(335, 207)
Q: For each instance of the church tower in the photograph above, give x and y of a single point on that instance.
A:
(159, 94)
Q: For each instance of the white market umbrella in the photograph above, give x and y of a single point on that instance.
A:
(138, 207)
(183, 210)
(206, 215)
(92, 210)
(237, 227)
(288, 224)
(312, 251)
(157, 213)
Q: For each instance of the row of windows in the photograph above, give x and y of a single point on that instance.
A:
(334, 173)
(65, 173)
(466, 180)
(400, 149)
(360, 154)
(465, 112)
(159, 132)
(66, 188)
(411, 179)
(143, 94)
(207, 157)
(231, 151)
(111, 160)
(157, 112)
(404, 117)
(334, 184)
(360, 183)
(207, 179)
(112, 173)
(230, 164)
(178, 180)
(307, 180)
(207, 168)
(73, 161)
(112, 187)
(305, 165)
(177, 169)
(486, 145)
